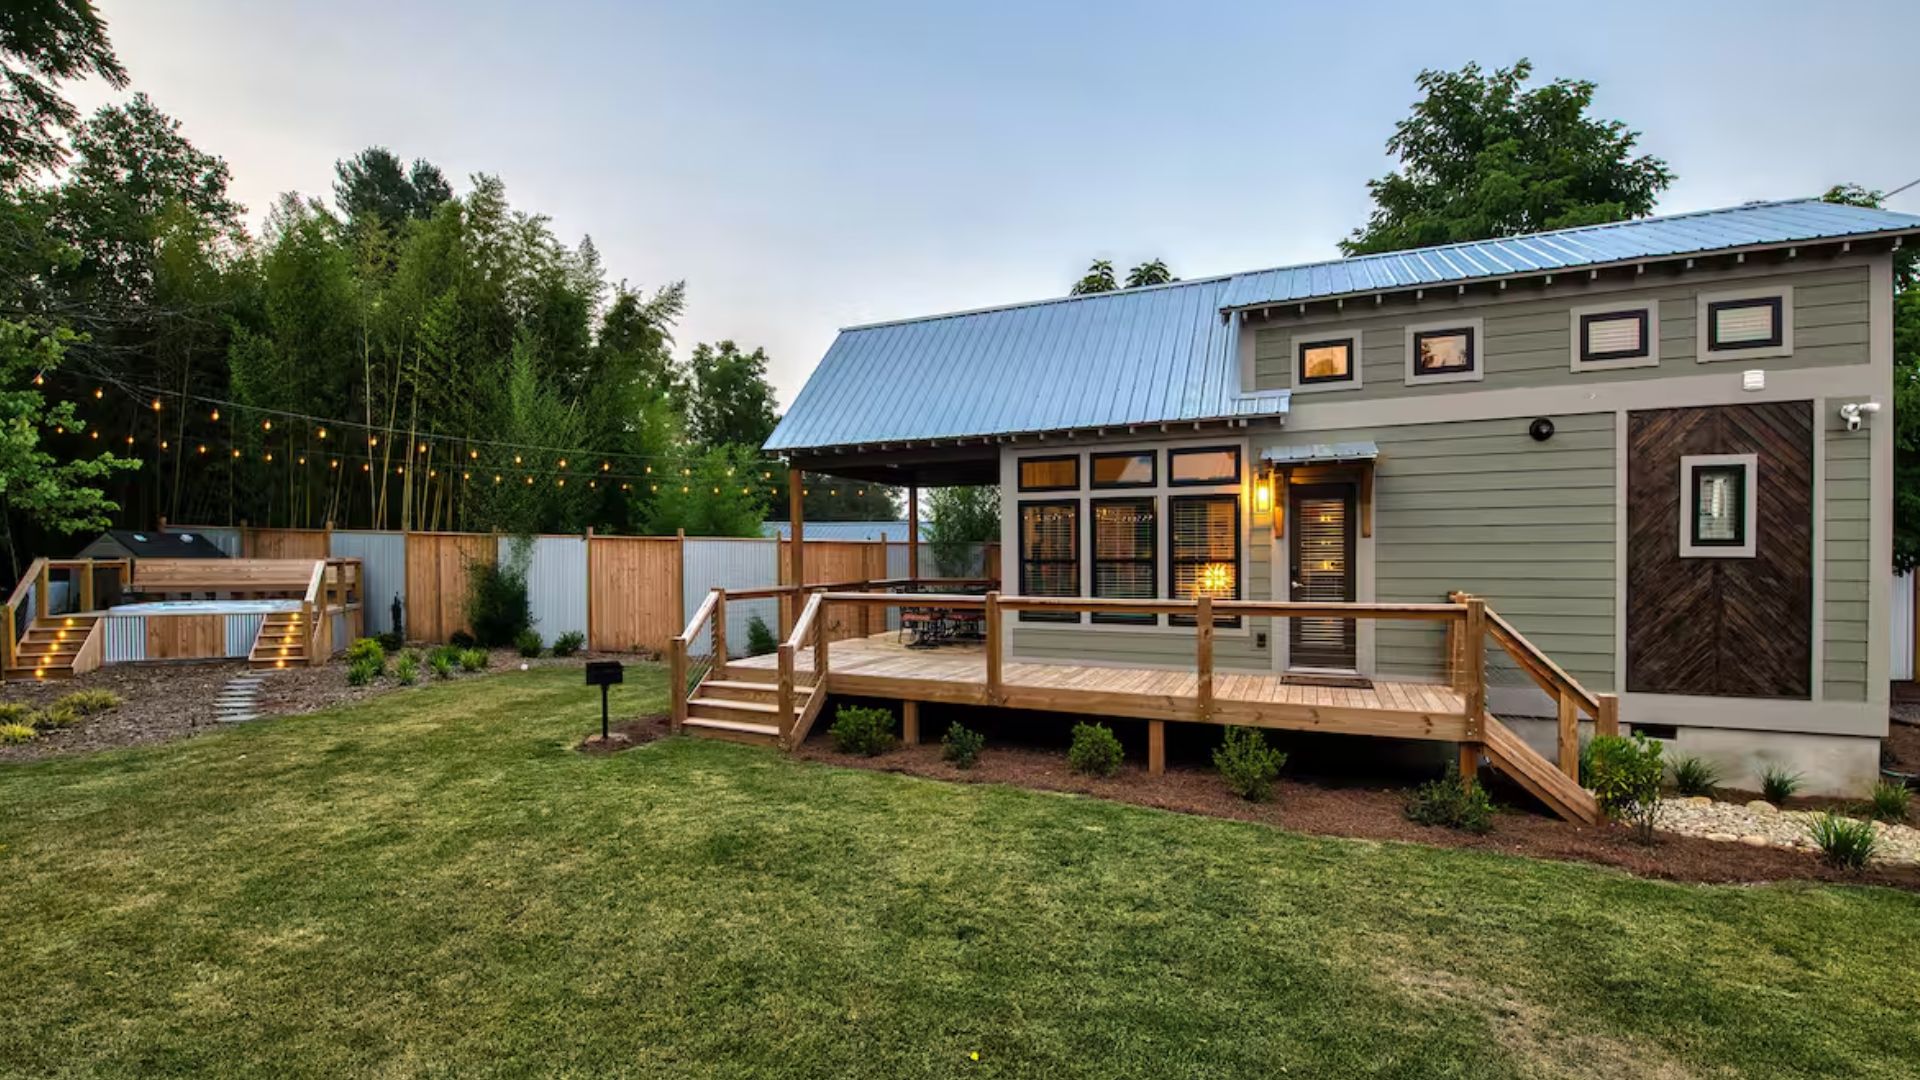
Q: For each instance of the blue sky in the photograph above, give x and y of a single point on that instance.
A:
(811, 166)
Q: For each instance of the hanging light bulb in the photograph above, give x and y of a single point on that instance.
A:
(303, 459)
(41, 380)
(516, 459)
(164, 444)
(423, 448)
(323, 432)
(266, 425)
(473, 455)
(649, 470)
(203, 448)
(373, 440)
(59, 429)
(656, 488)
(529, 480)
(130, 441)
(399, 470)
(563, 463)
(94, 434)
(334, 464)
(98, 393)
(236, 453)
(216, 414)
(466, 476)
(604, 466)
(496, 478)
(156, 404)
(562, 482)
(365, 467)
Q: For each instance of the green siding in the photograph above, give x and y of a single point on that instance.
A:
(1480, 506)
(1529, 342)
(1847, 568)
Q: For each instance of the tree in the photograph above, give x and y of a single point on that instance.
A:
(728, 398)
(1906, 386)
(374, 184)
(961, 517)
(1154, 272)
(42, 44)
(1098, 279)
(1484, 156)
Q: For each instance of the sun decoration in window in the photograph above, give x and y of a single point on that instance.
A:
(1717, 503)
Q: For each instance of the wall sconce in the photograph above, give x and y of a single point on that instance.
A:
(1263, 495)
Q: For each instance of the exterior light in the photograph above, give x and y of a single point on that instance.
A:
(1262, 497)
(98, 393)
(266, 425)
(216, 414)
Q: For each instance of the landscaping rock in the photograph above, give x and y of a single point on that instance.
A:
(1761, 806)
(1761, 824)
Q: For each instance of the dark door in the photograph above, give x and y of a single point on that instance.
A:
(1320, 544)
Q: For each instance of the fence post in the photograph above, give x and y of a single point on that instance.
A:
(588, 551)
(1203, 661)
(680, 576)
(994, 633)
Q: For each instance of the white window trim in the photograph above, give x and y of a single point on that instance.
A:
(1750, 499)
(1351, 382)
(1652, 359)
(1477, 327)
(1756, 352)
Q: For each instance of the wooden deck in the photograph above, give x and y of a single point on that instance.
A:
(880, 666)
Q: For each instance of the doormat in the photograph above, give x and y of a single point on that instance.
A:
(1344, 682)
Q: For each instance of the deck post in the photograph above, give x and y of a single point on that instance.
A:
(1569, 746)
(783, 692)
(796, 524)
(913, 531)
(910, 723)
(1473, 655)
(41, 599)
(820, 638)
(994, 634)
(677, 677)
(1156, 747)
(1203, 665)
(86, 585)
(719, 633)
(1607, 720)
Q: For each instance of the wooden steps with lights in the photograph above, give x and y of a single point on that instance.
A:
(281, 642)
(57, 647)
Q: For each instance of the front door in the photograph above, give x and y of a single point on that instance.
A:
(1320, 552)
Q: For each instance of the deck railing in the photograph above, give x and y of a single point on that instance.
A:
(32, 596)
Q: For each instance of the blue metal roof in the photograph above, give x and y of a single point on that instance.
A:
(1752, 225)
(1164, 354)
(1135, 356)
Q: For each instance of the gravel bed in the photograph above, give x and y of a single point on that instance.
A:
(1761, 824)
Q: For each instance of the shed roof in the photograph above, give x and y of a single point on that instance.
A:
(151, 545)
(1165, 354)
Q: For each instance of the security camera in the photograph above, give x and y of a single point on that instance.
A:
(1852, 411)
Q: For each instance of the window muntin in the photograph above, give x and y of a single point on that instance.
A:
(1203, 550)
(1055, 472)
(1444, 352)
(1128, 470)
(1050, 555)
(1615, 335)
(1327, 361)
(1751, 323)
(1719, 506)
(1125, 535)
(1212, 465)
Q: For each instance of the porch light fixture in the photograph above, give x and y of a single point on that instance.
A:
(1263, 495)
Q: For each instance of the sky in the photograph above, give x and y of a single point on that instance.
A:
(806, 167)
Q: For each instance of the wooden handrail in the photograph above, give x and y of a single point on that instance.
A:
(1539, 666)
(26, 581)
(804, 623)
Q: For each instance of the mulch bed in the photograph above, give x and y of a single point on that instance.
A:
(626, 735)
(1337, 807)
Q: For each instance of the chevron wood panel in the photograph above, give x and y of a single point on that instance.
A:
(1719, 626)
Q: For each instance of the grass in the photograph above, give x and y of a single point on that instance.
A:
(432, 883)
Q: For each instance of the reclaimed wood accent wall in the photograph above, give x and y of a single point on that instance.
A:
(634, 585)
(437, 581)
(1735, 627)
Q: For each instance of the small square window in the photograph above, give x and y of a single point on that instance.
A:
(1214, 465)
(1744, 324)
(1611, 336)
(1057, 473)
(1122, 470)
(1326, 361)
(1718, 505)
(1444, 352)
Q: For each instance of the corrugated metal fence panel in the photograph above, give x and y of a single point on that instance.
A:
(1902, 636)
(241, 630)
(126, 639)
(556, 583)
(224, 537)
(732, 564)
(383, 569)
(340, 641)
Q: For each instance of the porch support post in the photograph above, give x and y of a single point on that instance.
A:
(796, 517)
(909, 723)
(913, 531)
(1156, 747)
(994, 646)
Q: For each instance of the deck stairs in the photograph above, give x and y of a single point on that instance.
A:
(742, 707)
(1509, 754)
(57, 647)
(281, 642)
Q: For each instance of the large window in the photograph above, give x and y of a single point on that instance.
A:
(1718, 505)
(1203, 550)
(1050, 555)
(1125, 532)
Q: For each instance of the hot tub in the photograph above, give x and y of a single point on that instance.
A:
(185, 629)
(204, 607)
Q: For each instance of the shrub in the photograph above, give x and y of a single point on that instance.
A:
(13, 712)
(1248, 764)
(460, 639)
(12, 734)
(1777, 785)
(1626, 776)
(368, 651)
(1844, 842)
(442, 664)
(1451, 802)
(1889, 801)
(89, 702)
(497, 604)
(474, 659)
(406, 669)
(1694, 775)
(760, 639)
(569, 643)
(57, 715)
(1095, 750)
(859, 730)
(529, 643)
(362, 671)
(391, 641)
(961, 745)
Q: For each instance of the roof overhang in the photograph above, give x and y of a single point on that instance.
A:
(1320, 453)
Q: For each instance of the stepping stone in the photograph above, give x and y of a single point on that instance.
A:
(237, 718)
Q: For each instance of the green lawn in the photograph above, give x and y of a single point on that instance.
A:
(432, 883)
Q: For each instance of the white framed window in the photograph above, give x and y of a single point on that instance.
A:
(1745, 324)
(1611, 336)
(1719, 506)
(1326, 360)
(1443, 352)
